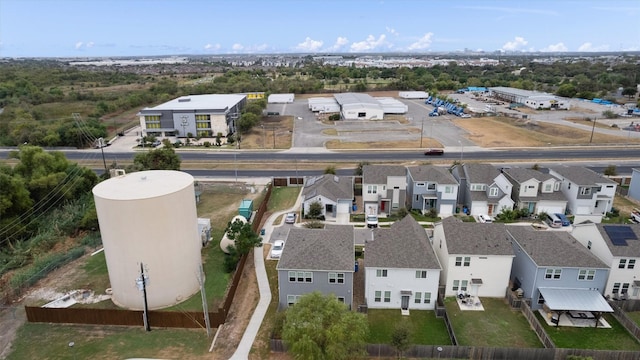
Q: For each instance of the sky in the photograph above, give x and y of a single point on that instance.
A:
(103, 28)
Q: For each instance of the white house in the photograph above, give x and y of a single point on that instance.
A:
(334, 193)
(536, 191)
(618, 246)
(401, 269)
(384, 188)
(589, 194)
(476, 258)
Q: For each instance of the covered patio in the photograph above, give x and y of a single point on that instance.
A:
(574, 307)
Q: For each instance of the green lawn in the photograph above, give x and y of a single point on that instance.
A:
(496, 326)
(616, 338)
(635, 316)
(283, 197)
(426, 329)
(106, 342)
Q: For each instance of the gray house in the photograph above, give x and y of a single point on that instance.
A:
(335, 193)
(432, 187)
(536, 191)
(317, 260)
(557, 273)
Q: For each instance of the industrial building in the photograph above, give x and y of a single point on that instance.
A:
(533, 99)
(149, 227)
(280, 98)
(413, 94)
(198, 115)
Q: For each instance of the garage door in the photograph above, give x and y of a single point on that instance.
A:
(446, 209)
(344, 208)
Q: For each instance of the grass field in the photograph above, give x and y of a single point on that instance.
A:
(425, 328)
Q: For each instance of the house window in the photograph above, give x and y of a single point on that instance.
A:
(493, 191)
(463, 285)
(467, 261)
(458, 260)
(586, 274)
(378, 296)
(301, 276)
(540, 299)
(292, 276)
(631, 264)
(616, 288)
(420, 184)
(418, 298)
(431, 186)
(372, 189)
(547, 187)
(448, 189)
(531, 186)
(589, 243)
(336, 278)
(585, 191)
(456, 285)
(556, 186)
(478, 187)
(625, 288)
(341, 299)
(292, 299)
(427, 298)
(553, 274)
(417, 197)
(381, 273)
(421, 274)
(460, 285)
(623, 263)
(387, 296)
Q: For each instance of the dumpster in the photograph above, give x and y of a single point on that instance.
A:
(356, 268)
(262, 231)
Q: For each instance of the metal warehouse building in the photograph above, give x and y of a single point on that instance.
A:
(533, 99)
(199, 115)
(359, 106)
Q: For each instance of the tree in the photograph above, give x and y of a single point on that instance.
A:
(164, 158)
(400, 338)
(629, 92)
(244, 239)
(611, 170)
(362, 164)
(330, 170)
(320, 327)
(315, 210)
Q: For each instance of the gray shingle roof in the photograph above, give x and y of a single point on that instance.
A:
(330, 186)
(554, 248)
(581, 175)
(521, 175)
(404, 245)
(633, 246)
(481, 173)
(377, 174)
(436, 174)
(325, 249)
(468, 238)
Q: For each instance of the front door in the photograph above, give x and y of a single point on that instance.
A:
(405, 302)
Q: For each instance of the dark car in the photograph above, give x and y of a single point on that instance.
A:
(434, 152)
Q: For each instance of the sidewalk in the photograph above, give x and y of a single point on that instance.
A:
(242, 352)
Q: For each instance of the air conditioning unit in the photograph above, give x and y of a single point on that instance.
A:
(116, 172)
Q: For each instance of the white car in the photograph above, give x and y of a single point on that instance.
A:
(276, 249)
(372, 221)
(484, 218)
(290, 218)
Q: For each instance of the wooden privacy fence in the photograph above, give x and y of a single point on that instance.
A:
(625, 320)
(536, 326)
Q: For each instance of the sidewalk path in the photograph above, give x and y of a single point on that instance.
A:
(242, 352)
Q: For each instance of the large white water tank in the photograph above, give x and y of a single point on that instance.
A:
(150, 217)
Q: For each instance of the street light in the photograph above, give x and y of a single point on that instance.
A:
(264, 137)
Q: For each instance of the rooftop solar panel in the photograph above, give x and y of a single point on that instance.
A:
(620, 234)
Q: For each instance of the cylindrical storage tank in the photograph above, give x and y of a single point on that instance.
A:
(150, 217)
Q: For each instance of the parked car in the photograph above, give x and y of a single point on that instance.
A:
(554, 221)
(372, 221)
(484, 218)
(431, 152)
(465, 116)
(290, 218)
(564, 219)
(276, 249)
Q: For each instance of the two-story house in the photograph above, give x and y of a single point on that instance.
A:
(536, 191)
(432, 188)
(618, 246)
(401, 269)
(483, 189)
(317, 260)
(557, 273)
(589, 194)
(476, 258)
(384, 188)
(335, 193)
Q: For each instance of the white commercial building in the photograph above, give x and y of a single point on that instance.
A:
(532, 99)
(357, 106)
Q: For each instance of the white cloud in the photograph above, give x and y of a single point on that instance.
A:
(212, 47)
(79, 45)
(422, 43)
(514, 45)
(90, 44)
(371, 43)
(237, 47)
(559, 47)
(589, 47)
(309, 45)
(340, 42)
(392, 31)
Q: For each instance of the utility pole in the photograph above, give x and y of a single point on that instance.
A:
(142, 283)
(421, 133)
(273, 128)
(101, 144)
(593, 129)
